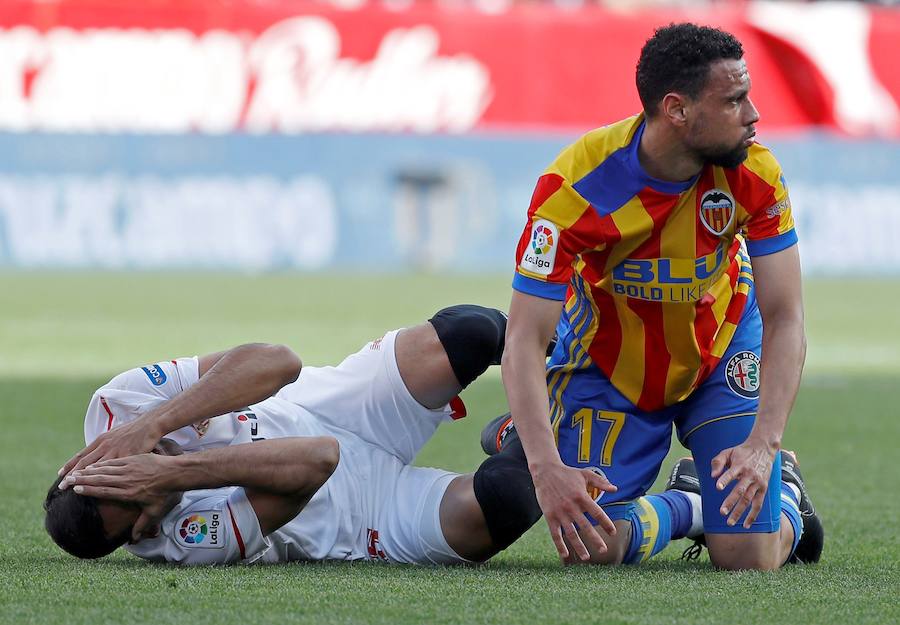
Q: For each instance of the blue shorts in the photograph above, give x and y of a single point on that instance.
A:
(599, 428)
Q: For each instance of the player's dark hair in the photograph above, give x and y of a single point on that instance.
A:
(677, 59)
(74, 523)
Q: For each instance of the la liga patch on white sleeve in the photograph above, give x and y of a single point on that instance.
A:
(203, 529)
(540, 255)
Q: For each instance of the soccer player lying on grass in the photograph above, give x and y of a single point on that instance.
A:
(336, 444)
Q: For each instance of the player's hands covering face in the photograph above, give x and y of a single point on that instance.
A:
(136, 479)
(749, 466)
(563, 494)
(137, 437)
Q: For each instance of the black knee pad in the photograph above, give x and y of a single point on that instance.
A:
(473, 338)
(505, 492)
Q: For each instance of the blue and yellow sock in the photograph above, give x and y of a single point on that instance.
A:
(790, 507)
(658, 519)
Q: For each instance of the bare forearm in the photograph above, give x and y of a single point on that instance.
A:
(287, 466)
(524, 377)
(784, 352)
(524, 369)
(242, 376)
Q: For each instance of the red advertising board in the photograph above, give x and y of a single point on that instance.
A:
(289, 66)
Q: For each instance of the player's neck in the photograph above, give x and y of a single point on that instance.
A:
(664, 157)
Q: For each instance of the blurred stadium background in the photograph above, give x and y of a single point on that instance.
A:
(382, 137)
(260, 135)
(177, 176)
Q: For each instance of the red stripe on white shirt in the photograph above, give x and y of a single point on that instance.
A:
(108, 412)
(237, 532)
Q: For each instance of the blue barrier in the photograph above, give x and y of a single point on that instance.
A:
(364, 202)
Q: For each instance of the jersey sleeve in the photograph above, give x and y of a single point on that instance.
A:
(208, 527)
(559, 228)
(769, 226)
(136, 391)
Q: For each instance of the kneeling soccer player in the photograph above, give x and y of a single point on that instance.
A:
(315, 467)
(662, 250)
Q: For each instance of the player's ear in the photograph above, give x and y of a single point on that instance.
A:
(673, 107)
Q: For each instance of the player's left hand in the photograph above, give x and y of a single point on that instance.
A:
(136, 437)
(749, 465)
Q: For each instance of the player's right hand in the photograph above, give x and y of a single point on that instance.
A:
(137, 437)
(135, 479)
(562, 493)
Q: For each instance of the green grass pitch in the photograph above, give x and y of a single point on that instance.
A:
(61, 335)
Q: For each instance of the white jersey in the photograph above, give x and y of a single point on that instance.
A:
(374, 506)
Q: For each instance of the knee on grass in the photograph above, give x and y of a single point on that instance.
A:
(747, 552)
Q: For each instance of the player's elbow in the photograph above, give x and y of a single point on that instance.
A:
(286, 362)
(312, 460)
(276, 365)
(787, 329)
(333, 454)
(512, 349)
(327, 458)
(784, 313)
(511, 365)
(519, 350)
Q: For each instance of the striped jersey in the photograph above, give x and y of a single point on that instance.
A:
(655, 275)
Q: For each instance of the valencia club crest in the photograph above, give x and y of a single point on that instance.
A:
(716, 211)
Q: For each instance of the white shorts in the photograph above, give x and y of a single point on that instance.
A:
(381, 427)
(366, 396)
(403, 522)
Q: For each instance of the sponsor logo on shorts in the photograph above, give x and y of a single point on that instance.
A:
(374, 546)
(742, 374)
(156, 374)
(201, 529)
(716, 211)
(540, 254)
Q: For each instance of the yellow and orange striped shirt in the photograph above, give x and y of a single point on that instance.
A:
(654, 274)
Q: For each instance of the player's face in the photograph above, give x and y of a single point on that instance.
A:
(118, 517)
(721, 119)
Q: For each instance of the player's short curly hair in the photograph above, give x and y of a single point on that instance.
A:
(677, 58)
(74, 523)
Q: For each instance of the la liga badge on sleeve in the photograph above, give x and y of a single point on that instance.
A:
(202, 530)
